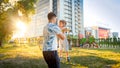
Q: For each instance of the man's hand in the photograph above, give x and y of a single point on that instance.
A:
(61, 36)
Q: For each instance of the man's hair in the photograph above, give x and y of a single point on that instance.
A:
(51, 15)
(64, 22)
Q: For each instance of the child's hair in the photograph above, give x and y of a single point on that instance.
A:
(64, 22)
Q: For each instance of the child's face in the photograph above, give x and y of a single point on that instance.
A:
(61, 24)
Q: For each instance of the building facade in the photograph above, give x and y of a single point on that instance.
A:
(115, 34)
(97, 32)
(89, 31)
(69, 10)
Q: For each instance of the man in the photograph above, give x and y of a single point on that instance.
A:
(51, 32)
(63, 44)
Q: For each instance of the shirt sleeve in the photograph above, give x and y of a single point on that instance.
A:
(57, 30)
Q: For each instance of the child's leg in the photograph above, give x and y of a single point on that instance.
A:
(60, 49)
(67, 52)
(60, 53)
(67, 55)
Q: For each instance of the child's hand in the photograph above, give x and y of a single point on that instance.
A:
(65, 29)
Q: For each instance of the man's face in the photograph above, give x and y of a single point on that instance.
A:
(54, 19)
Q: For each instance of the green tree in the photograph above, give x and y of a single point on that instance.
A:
(83, 41)
(26, 7)
(114, 41)
(5, 22)
(9, 13)
(91, 39)
(119, 42)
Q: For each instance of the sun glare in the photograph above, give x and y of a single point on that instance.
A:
(21, 26)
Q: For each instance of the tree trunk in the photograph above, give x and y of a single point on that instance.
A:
(0, 43)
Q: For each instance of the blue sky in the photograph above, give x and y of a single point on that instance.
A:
(104, 13)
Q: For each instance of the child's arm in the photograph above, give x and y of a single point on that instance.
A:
(65, 29)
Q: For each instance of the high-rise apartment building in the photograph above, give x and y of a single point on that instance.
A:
(69, 10)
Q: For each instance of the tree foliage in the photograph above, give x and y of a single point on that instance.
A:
(9, 14)
(5, 22)
(26, 7)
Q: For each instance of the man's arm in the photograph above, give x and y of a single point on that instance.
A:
(58, 32)
(61, 36)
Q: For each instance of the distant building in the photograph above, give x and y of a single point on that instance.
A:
(91, 32)
(97, 32)
(115, 34)
(69, 10)
(103, 32)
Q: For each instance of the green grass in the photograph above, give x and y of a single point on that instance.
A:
(31, 57)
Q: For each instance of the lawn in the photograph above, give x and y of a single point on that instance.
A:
(31, 57)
